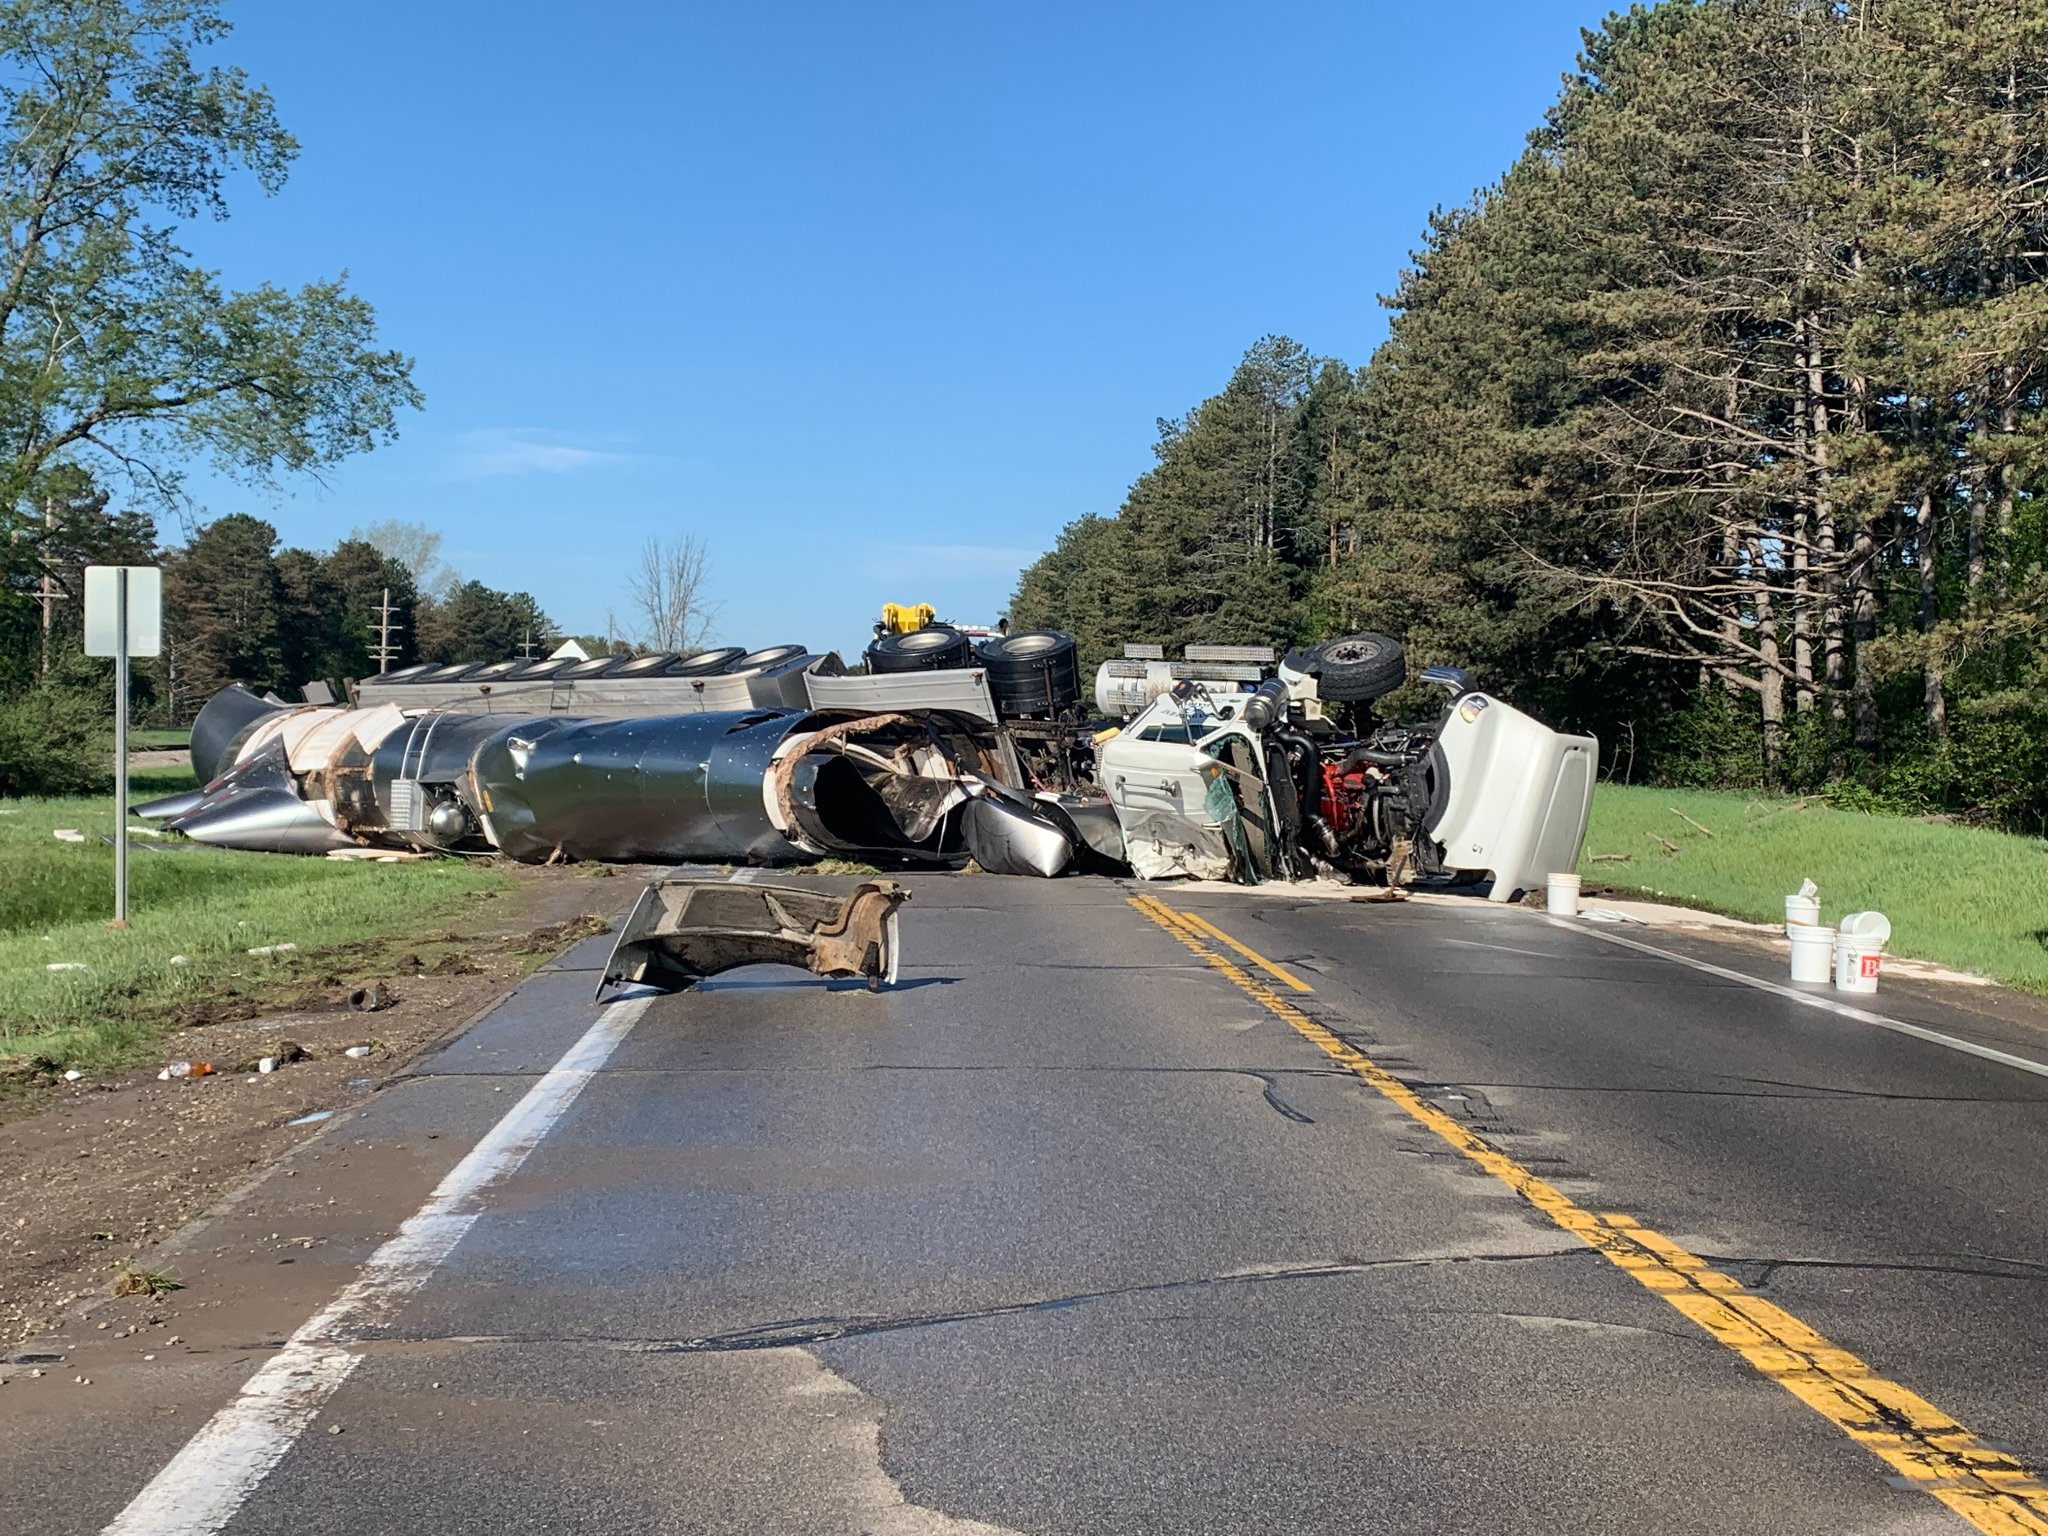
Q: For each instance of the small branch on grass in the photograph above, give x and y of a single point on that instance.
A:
(1674, 810)
(1784, 810)
(1669, 846)
(1610, 858)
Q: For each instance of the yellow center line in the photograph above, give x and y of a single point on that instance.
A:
(1926, 1447)
(1278, 972)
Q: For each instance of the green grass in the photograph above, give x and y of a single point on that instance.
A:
(158, 741)
(209, 905)
(1959, 896)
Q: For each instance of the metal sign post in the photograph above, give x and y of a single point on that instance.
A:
(123, 618)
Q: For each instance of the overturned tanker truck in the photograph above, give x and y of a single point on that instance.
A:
(1229, 764)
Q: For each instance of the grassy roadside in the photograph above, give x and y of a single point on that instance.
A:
(1959, 896)
(208, 906)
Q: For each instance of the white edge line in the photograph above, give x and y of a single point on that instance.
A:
(199, 1489)
(1828, 1004)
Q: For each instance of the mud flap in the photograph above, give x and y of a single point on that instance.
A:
(681, 931)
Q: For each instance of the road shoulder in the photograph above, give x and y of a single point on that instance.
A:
(100, 1174)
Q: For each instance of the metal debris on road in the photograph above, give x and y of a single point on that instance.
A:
(682, 931)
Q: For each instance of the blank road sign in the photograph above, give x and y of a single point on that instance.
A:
(145, 610)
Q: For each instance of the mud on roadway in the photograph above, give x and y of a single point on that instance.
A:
(94, 1174)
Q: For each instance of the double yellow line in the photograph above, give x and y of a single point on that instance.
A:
(1924, 1446)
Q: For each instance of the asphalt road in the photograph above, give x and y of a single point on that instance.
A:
(1445, 1218)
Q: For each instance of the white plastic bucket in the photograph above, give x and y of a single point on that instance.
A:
(1857, 958)
(1563, 895)
(1867, 925)
(1813, 952)
(1801, 912)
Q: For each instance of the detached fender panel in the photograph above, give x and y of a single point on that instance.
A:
(681, 931)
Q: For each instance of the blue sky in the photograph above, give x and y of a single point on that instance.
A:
(871, 299)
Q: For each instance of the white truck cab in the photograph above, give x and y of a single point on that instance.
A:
(1487, 791)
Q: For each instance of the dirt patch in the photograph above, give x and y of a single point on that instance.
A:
(95, 1173)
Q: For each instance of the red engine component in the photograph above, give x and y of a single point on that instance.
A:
(1342, 799)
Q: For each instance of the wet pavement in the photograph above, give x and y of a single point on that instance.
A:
(1072, 1232)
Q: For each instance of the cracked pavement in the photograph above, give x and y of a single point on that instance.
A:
(1074, 1237)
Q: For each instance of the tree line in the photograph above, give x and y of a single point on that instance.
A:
(239, 608)
(1714, 426)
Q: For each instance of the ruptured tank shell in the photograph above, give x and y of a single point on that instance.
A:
(754, 786)
(223, 725)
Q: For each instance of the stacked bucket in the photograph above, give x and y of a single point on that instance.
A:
(1850, 954)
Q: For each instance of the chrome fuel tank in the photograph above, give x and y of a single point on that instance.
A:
(668, 787)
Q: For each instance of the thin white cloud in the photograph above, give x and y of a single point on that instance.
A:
(492, 451)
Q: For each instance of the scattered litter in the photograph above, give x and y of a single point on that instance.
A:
(357, 1051)
(359, 1082)
(271, 1058)
(185, 1069)
(67, 965)
(1609, 915)
(68, 835)
(273, 949)
(180, 960)
(145, 831)
(372, 998)
(318, 1114)
(73, 1075)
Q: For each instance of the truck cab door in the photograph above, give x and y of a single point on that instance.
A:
(1158, 784)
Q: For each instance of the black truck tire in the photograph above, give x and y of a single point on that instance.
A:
(705, 663)
(931, 649)
(1037, 672)
(1356, 669)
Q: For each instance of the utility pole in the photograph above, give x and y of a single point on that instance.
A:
(526, 645)
(385, 651)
